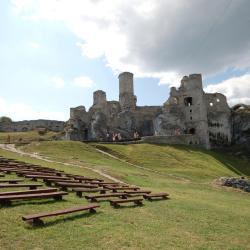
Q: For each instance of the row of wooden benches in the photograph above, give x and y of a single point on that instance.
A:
(79, 184)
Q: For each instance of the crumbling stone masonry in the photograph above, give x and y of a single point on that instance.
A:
(189, 116)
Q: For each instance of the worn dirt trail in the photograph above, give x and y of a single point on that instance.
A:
(12, 148)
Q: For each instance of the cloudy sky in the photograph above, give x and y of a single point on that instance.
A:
(55, 53)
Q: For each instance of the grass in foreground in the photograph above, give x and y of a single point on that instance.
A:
(198, 215)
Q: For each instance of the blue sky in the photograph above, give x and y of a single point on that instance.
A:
(53, 57)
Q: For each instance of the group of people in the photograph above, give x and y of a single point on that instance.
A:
(118, 137)
(113, 136)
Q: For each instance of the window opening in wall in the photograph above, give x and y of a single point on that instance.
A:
(211, 104)
(188, 101)
(191, 118)
(190, 110)
(175, 100)
(192, 131)
(217, 100)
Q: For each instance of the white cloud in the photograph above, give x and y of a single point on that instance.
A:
(83, 81)
(236, 89)
(58, 82)
(21, 111)
(35, 45)
(163, 39)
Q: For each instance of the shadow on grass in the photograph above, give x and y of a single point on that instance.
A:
(62, 220)
(235, 164)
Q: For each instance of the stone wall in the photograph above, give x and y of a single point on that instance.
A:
(22, 126)
(172, 139)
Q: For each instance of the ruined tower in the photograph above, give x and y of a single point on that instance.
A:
(99, 99)
(127, 98)
(195, 109)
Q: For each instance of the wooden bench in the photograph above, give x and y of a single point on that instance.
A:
(35, 219)
(6, 200)
(137, 193)
(31, 186)
(82, 178)
(52, 180)
(36, 191)
(115, 189)
(35, 177)
(23, 173)
(66, 185)
(93, 198)
(116, 203)
(156, 195)
(103, 183)
(79, 191)
(13, 181)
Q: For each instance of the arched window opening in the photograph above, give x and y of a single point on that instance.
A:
(188, 101)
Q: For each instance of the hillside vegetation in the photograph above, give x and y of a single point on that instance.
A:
(199, 215)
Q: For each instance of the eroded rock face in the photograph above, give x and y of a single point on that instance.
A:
(241, 126)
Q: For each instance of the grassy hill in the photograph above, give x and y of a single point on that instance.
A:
(199, 215)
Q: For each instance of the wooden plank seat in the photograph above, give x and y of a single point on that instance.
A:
(82, 178)
(6, 200)
(13, 181)
(115, 189)
(155, 195)
(103, 183)
(79, 191)
(116, 203)
(94, 198)
(31, 186)
(66, 185)
(35, 177)
(33, 172)
(2, 175)
(52, 180)
(35, 219)
(35, 191)
(138, 192)
(7, 170)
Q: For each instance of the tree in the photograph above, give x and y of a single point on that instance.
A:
(5, 119)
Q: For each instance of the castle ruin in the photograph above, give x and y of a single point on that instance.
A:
(189, 116)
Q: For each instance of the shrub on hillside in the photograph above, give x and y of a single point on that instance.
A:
(5, 119)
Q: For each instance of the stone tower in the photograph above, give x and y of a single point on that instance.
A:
(195, 109)
(127, 98)
(99, 99)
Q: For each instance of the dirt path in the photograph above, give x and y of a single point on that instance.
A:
(12, 148)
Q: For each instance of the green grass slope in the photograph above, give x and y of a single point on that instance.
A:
(199, 215)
